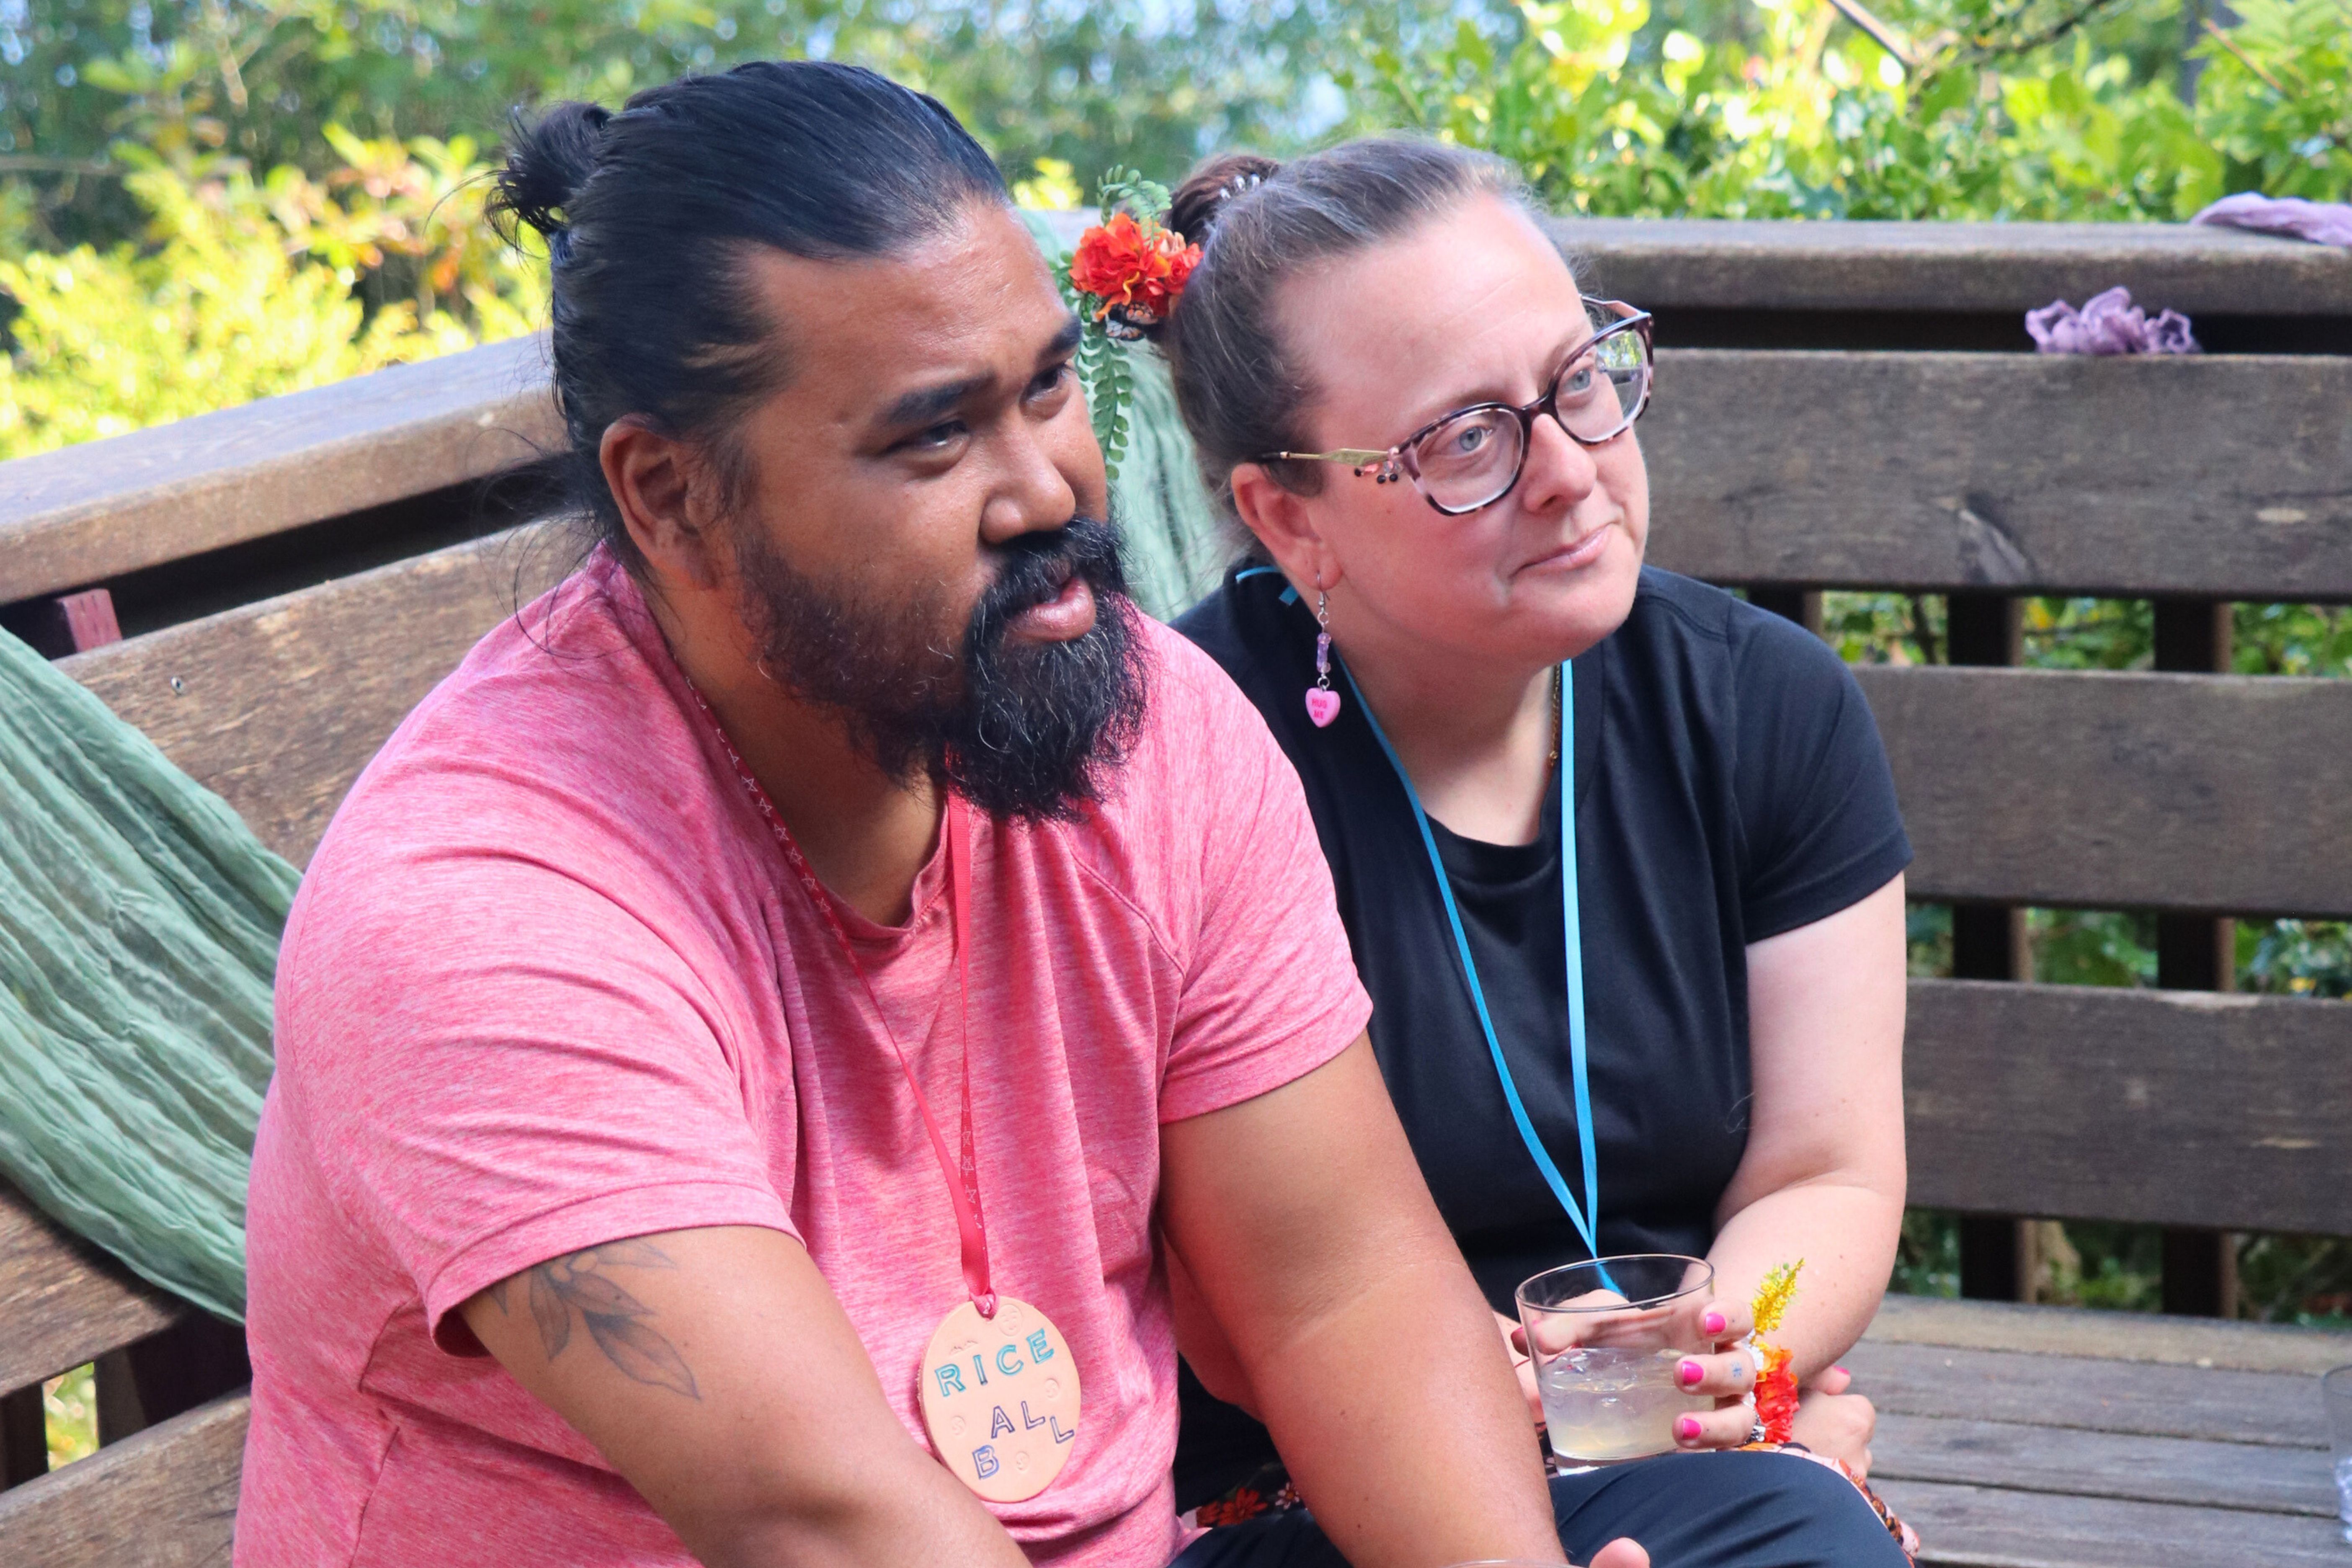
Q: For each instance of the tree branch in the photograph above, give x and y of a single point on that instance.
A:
(1987, 49)
(2222, 38)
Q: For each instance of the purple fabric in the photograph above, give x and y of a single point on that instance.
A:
(2322, 223)
(2108, 324)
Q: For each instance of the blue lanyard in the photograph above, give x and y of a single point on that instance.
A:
(1585, 1228)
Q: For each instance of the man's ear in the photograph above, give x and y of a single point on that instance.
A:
(1281, 521)
(667, 494)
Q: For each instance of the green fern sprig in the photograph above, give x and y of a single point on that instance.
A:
(1128, 190)
(1104, 373)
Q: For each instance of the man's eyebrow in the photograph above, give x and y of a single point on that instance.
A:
(929, 404)
(1064, 342)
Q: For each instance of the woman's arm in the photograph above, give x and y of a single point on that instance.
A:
(1823, 1179)
(1824, 1176)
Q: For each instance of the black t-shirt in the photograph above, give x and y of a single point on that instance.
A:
(1731, 785)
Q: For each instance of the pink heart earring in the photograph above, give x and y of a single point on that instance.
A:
(1322, 702)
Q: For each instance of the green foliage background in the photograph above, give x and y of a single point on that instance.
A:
(206, 201)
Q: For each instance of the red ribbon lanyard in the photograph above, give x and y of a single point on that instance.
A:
(963, 1176)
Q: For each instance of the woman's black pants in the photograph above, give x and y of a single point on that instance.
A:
(1691, 1511)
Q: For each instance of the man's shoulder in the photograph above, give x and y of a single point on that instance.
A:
(1195, 684)
(1199, 728)
(1197, 775)
(555, 742)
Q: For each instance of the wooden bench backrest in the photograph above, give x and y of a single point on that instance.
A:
(2160, 791)
(83, 514)
(1911, 471)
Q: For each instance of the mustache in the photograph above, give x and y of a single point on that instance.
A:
(1032, 568)
(1024, 730)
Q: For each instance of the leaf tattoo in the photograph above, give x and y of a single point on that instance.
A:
(642, 1354)
(562, 1285)
(549, 1312)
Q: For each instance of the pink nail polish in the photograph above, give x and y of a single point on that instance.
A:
(1686, 1428)
(1841, 1372)
(1690, 1372)
(1716, 1323)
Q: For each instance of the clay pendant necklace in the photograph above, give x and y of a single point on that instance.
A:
(998, 1386)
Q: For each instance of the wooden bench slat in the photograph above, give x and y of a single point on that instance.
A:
(1922, 471)
(2121, 791)
(1765, 264)
(2224, 476)
(2275, 1412)
(63, 1303)
(2099, 1335)
(2179, 1108)
(281, 703)
(1769, 265)
(1991, 1527)
(2054, 1436)
(2155, 791)
(85, 513)
(164, 1498)
(2024, 1456)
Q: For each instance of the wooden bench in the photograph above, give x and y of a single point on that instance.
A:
(2011, 1434)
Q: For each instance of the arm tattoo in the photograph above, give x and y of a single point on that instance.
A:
(616, 1318)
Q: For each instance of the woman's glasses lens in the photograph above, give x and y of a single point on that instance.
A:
(1473, 458)
(1600, 390)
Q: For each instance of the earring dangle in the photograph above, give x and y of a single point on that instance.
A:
(1322, 702)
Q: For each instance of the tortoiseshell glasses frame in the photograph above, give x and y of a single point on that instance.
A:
(1469, 459)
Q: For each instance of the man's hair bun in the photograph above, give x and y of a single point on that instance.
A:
(1200, 200)
(548, 162)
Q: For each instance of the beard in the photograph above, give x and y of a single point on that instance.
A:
(1025, 731)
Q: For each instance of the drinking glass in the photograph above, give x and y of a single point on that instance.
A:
(1607, 1337)
(2336, 1394)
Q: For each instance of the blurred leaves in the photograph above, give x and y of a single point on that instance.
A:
(1087, 85)
(2010, 112)
(204, 201)
(238, 288)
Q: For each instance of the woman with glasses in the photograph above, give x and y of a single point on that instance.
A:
(1619, 854)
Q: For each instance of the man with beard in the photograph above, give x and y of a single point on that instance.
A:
(743, 1043)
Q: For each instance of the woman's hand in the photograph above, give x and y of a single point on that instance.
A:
(1835, 1424)
(1728, 1374)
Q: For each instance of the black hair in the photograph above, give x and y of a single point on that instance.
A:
(1259, 223)
(649, 214)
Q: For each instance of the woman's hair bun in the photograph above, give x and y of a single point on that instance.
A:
(548, 162)
(1200, 200)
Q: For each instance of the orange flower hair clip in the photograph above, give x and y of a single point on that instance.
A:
(1123, 280)
(1131, 271)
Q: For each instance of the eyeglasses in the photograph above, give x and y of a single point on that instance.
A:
(1471, 457)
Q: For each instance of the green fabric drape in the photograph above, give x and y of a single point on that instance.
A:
(140, 919)
(138, 926)
(1176, 549)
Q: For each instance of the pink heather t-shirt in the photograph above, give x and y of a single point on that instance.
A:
(549, 984)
